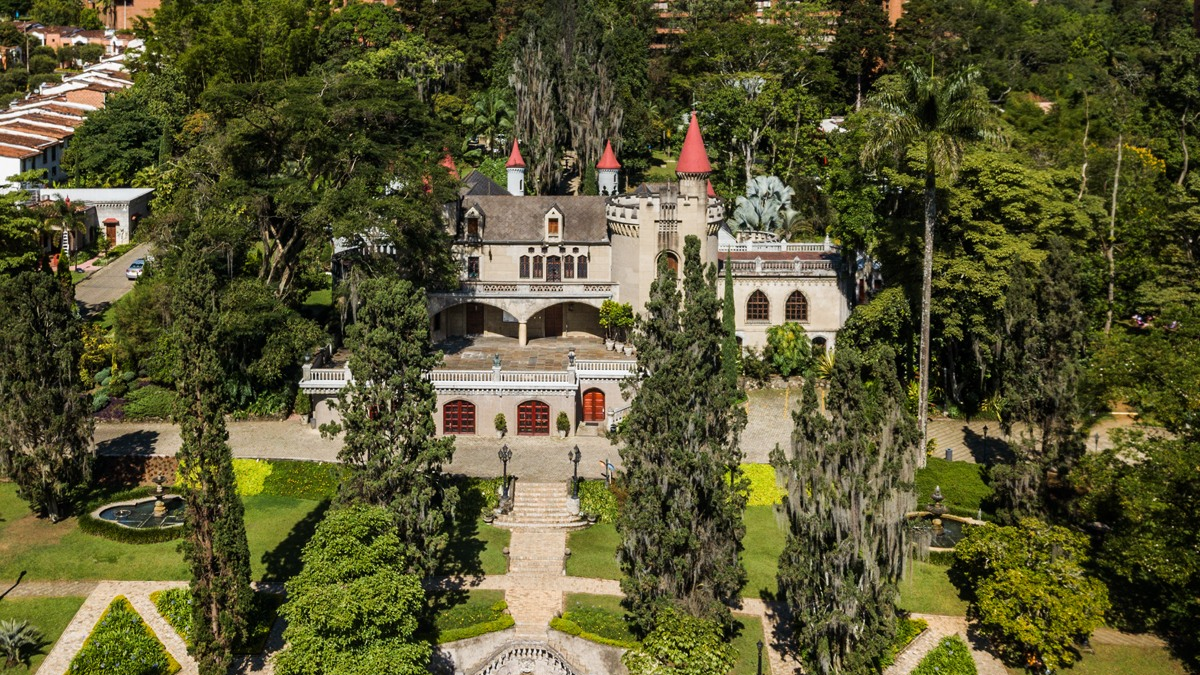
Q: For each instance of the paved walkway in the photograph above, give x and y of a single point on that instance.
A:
(940, 627)
(107, 284)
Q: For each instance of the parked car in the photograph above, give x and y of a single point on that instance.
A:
(134, 271)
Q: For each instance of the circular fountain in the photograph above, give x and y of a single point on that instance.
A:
(161, 511)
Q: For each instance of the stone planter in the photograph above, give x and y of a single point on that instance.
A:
(572, 506)
(499, 434)
(609, 344)
(620, 346)
(562, 434)
(628, 350)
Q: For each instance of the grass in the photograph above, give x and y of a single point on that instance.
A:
(762, 545)
(594, 552)
(746, 644)
(495, 540)
(600, 615)
(476, 609)
(276, 527)
(50, 615)
(663, 168)
(1126, 660)
(927, 590)
(961, 482)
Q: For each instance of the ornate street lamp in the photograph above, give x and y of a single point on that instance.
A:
(575, 456)
(505, 454)
(760, 646)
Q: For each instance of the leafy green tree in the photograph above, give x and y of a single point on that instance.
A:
(1148, 552)
(1029, 589)
(115, 142)
(57, 12)
(731, 351)
(45, 415)
(681, 526)
(19, 245)
(353, 609)
(214, 544)
(682, 645)
(390, 441)
(861, 45)
(849, 484)
(791, 352)
(939, 115)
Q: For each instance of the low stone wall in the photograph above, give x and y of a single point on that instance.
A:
(584, 657)
(130, 470)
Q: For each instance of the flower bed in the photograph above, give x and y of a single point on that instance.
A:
(950, 657)
(484, 612)
(907, 630)
(595, 497)
(175, 606)
(763, 489)
(596, 618)
(122, 644)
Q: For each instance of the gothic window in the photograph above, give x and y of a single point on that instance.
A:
(473, 267)
(553, 268)
(537, 267)
(458, 417)
(581, 267)
(758, 308)
(796, 308)
(524, 271)
(569, 267)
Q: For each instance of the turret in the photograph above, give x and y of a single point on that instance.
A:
(516, 171)
(695, 193)
(693, 167)
(608, 171)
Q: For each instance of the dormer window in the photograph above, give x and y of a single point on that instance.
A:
(473, 224)
(554, 225)
(472, 227)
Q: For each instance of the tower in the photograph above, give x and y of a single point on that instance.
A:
(695, 192)
(516, 171)
(608, 170)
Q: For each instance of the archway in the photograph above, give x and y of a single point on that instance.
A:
(672, 261)
(458, 417)
(533, 419)
(593, 406)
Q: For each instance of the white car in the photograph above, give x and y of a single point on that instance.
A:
(134, 271)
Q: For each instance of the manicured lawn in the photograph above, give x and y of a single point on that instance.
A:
(600, 615)
(49, 615)
(594, 552)
(961, 482)
(927, 590)
(494, 540)
(276, 527)
(475, 608)
(762, 545)
(1113, 659)
(746, 643)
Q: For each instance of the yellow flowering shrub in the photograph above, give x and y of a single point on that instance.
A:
(250, 474)
(764, 491)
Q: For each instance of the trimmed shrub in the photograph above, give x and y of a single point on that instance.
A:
(126, 535)
(596, 497)
(149, 402)
(122, 644)
(99, 400)
(478, 629)
(950, 657)
(907, 630)
(303, 404)
(569, 627)
(251, 476)
(175, 605)
(764, 491)
(317, 481)
(485, 492)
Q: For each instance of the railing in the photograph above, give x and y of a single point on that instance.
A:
(329, 379)
(606, 366)
(576, 288)
(615, 417)
(776, 267)
(776, 247)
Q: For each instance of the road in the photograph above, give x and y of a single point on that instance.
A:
(107, 284)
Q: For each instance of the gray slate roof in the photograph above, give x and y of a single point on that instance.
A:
(477, 184)
(511, 218)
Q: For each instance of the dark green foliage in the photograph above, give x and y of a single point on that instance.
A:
(681, 523)
(149, 402)
(849, 481)
(791, 351)
(175, 605)
(952, 656)
(595, 497)
(682, 645)
(115, 143)
(122, 644)
(45, 416)
(731, 361)
(907, 630)
(389, 436)
(353, 608)
(317, 481)
(215, 532)
(1149, 553)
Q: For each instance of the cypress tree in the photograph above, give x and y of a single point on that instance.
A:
(215, 532)
(681, 526)
(730, 353)
(390, 441)
(849, 485)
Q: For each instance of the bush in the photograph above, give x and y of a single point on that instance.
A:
(99, 527)
(486, 493)
(251, 475)
(18, 641)
(150, 402)
(478, 629)
(99, 401)
(562, 422)
(764, 491)
(791, 352)
(122, 644)
(950, 657)
(755, 366)
(500, 422)
(317, 481)
(472, 620)
(907, 630)
(569, 627)
(303, 405)
(595, 497)
(103, 377)
(175, 605)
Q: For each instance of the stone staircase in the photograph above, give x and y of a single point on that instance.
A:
(539, 506)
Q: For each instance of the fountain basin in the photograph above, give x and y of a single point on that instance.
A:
(139, 514)
(951, 532)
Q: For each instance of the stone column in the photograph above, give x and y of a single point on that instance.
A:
(523, 333)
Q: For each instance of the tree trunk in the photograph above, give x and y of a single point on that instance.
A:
(926, 295)
(1183, 125)
(1110, 244)
(1087, 125)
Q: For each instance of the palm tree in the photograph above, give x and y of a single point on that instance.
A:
(490, 116)
(939, 115)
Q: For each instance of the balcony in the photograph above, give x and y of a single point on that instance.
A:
(533, 289)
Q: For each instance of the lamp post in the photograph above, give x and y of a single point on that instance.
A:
(760, 646)
(505, 454)
(985, 430)
(574, 455)
(1097, 439)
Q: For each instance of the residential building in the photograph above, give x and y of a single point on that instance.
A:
(117, 210)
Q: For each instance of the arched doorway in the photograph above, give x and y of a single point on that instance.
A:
(533, 419)
(672, 261)
(458, 417)
(593, 406)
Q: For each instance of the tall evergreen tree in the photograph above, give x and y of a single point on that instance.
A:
(215, 531)
(849, 483)
(45, 420)
(730, 352)
(681, 526)
(390, 441)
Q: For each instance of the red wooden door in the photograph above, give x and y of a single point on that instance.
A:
(533, 419)
(593, 405)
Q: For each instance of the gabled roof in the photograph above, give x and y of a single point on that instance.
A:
(693, 159)
(515, 161)
(609, 159)
(478, 185)
(523, 219)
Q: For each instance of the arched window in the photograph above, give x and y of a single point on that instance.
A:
(581, 267)
(524, 272)
(796, 308)
(533, 419)
(569, 267)
(553, 268)
(458, 417)
(758, 308)
(672, 262)
(537, 267)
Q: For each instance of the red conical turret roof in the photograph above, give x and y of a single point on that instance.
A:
(693, 158)
(448, 162)
(515, 161)
(711, 191)
(609, 159)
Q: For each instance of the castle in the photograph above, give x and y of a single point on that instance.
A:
(522, 332)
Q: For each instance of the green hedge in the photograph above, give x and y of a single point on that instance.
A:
(175, 605)
(484, 491)
(940, 558)
(505, 621)
(595, 497)
(126, 535)
(950, 657)
(122, 644)
(317, 481)
(907, 630)
(569, 627)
